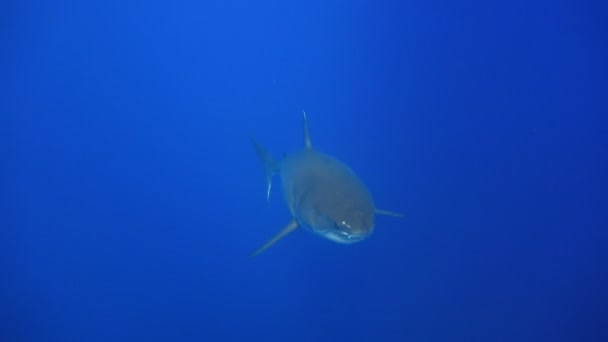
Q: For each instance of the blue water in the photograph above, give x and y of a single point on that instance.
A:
(130, 195)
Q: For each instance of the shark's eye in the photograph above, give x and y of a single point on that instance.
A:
(342, 225)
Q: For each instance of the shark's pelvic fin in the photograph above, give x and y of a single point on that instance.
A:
(270, 165)
(291, 226)
(306, 134)
(388, 213)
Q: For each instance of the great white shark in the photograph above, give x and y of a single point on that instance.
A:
(323, 194)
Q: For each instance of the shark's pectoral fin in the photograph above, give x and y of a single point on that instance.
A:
(291, 226)
(388, 213)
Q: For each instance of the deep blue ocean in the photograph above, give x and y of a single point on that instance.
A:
(131, 197)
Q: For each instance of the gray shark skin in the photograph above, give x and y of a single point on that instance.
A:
(323, 194)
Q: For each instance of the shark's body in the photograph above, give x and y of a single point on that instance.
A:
(323, 194)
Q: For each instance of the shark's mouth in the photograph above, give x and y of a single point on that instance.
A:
(335, 234)
(341, 236)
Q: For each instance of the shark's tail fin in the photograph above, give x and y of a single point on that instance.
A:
(271, 166)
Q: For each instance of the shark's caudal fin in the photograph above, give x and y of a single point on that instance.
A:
(291, 226)
(307, 142)
(270, 165)
(388, 213)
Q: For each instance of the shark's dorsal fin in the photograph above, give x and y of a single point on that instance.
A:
(307, 142)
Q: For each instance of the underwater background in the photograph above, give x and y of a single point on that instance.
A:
(130, 195)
